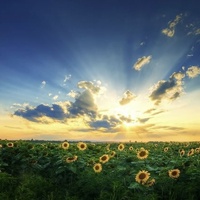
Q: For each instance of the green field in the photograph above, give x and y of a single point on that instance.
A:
(33, 170)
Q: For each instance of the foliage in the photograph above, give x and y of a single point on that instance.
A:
(49, 171)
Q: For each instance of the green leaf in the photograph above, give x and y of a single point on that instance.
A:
(60, 170)
(121, 168)
(73, 169)
(152, 169)
(135, 186)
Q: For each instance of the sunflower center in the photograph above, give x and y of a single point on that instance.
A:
(104, 158)
(142, 153)
(174, 173)
(82, 146)
(97, 167)
(142, 176)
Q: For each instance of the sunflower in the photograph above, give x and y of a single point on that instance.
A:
(10, 144)
(97, 167)
(104, 158)
(108, 147)
(151, 182)
(131, 148)
(71, 159)
(186, 144)
(166, 149)
(182, 152)
(65, 145)
(113, 153)
(190, 152)
(142, 154)
(121, 147)
(174, 173)
(82, 146)
(142, 176)
(197, 150)
(1, 145)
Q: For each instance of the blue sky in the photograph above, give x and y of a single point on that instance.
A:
(100, 70)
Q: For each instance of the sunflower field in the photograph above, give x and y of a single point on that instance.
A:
(35, 170)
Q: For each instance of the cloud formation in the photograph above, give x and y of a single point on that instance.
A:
(73, 94)
(153, 111)
(170, 31)
(84, 104)
(55, 97)
(106, 122)
(143, 120)
(193, 29)
(128, 97)
(67, 77)
(168, 89)
(88, 85)
(43, 84)
(34, 114)
(193, 71)
(141, 62)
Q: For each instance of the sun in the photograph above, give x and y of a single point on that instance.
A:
(128, 124)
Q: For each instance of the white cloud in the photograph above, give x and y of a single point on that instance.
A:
(141, 62)
(170, 31)
(67, 77)
(55, 97)
(43, 84)
(22, 106)
(193, 71)
(142, 43)
(178, 75)
(88, 85)
(73, 94)
(197, 31)
(128, 97)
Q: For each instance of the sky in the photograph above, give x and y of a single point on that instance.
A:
(103, 70)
